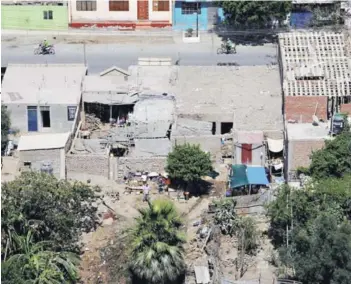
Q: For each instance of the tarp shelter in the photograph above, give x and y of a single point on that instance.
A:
(238, 177)
(257, 176)
(242, 175)
(275, 146)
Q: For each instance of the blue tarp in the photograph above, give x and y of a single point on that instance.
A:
(257, 176)
(300, 19)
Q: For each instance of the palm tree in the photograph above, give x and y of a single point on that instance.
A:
(157, 245)
(33, 264)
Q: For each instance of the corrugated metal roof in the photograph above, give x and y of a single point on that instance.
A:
(43, 141)
(49, 83)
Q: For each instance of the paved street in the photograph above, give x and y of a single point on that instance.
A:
(103, 56)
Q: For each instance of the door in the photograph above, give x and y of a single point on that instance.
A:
(246, 154)
(143, 9)
(32, 118)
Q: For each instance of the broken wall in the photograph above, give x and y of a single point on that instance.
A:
(150, 164)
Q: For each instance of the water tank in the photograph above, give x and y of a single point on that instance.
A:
(46, 167)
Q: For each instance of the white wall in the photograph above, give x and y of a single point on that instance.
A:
(58, 118)
(102, 13)
(160, 16)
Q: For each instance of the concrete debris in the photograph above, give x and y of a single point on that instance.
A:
(92, 122)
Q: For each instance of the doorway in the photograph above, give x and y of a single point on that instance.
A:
(246, 154)
(32, 113)
(45, 117)
(143, 10)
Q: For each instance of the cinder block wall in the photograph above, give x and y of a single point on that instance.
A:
(37, 157)
(126, 164)
(87, 164)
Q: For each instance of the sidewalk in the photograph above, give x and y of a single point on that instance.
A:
(108, 35)
(95, 32)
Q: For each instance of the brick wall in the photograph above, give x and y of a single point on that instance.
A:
(126, 164)
(345, 108)
(89, 164)
(300, 151)
(302, 109)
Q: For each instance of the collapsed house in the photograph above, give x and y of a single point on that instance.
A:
(132, 119)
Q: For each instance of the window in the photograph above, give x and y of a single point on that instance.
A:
(48, 15)
(226, 127)
(71, 113)
(87, 5)
(189, 8)
(161, 5)
(45, 116)
(119, 5)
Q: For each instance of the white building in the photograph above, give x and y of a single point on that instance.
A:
(43, 98)
(128, 13)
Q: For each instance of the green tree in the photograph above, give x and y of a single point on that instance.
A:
(32, 263)
(56, 210)
(297, 207)
(188, 163)
(322, 251)
(156, 255)
(255, 14)
(5, 126)
(334, 159)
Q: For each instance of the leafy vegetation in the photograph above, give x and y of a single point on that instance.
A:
(188, 163)
(157, 245)
(5, 126)
(254, 14)
(334, 159)
(32, 263)
(244, 228)
(311, 227)
(42, 219)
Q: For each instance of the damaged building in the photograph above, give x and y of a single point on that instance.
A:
(139, 115)
(316, 72)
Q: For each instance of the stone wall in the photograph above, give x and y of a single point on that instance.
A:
(127, 164)
(300, 151)
(88, 164)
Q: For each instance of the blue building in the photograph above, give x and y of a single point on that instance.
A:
(192, 14)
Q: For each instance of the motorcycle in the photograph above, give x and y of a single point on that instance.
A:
(224, 49)
(44, 50)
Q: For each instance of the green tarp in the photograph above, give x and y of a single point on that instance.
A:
(238, 176)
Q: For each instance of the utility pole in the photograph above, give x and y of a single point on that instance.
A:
(85, 55)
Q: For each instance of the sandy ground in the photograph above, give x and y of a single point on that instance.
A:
(111, 233)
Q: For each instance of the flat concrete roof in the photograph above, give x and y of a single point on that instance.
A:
(43, 83)
(306, 131)
(43, 141)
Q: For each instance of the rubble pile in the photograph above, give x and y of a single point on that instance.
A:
(92, 122)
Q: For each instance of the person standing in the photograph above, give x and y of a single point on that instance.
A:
(146, 190)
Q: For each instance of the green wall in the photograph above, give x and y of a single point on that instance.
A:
(31, 17)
